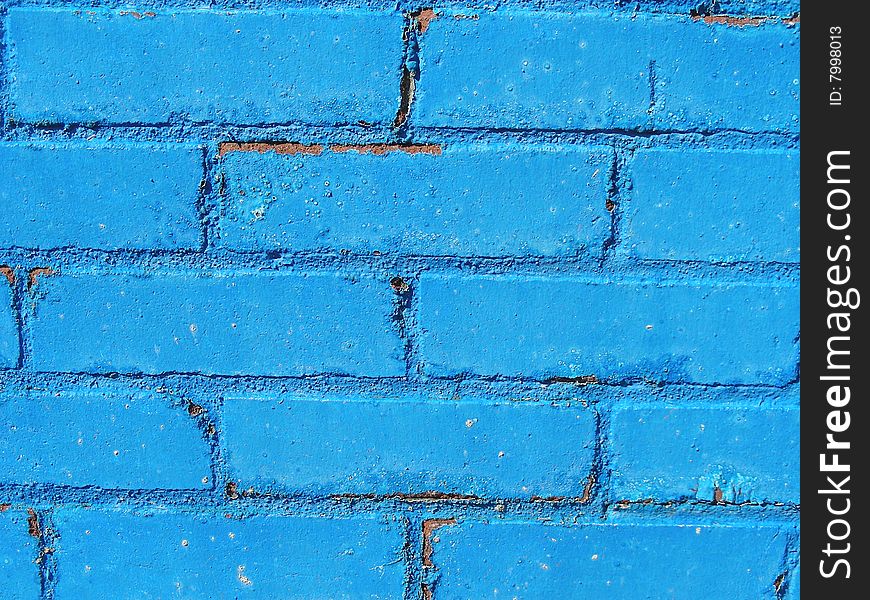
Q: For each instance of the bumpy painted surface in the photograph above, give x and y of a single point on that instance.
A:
(598, 71)
(448, 202)
(100, 196)
(349, 299)
(18, 579)
(249, 67)
(216, 324)
(698, 206)
(707, 454)
(472, 448)
(8, 327)
(160, 555)
(101, 440)
(538, 328)
(606, 561)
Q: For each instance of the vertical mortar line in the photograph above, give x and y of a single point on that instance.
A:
(40, 525)
(613, 204)
(4, 71)
(8, 272)
(220, 470)
(405, 318)
(600, 492)
(790, 560)
(410, 73)
(207, 204)
(411, 555)
(652, 87)
(25, 305)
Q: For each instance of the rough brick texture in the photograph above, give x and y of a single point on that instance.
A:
(144, 73)
(530, 560)
(412, 448)
(364, 299)
(419, 200)
(119, 555)
(129, 196)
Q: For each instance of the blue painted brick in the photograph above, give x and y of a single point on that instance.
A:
(714, 205)
(531, 560)
(109, 441)
(262, 324)
(711, 454)
(525, 70)
(588, 71)
(8, 322)
(543, 327)
(443, 202)
(163, 555)
(19, 574)
(99, 195)
(314, 66)
(471, 448)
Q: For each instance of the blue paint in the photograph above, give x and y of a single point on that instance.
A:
(161, 555)
(220, 324)
(108, 441)
(532, 560)
(316, 66)
(605, 191)
(616, 331)
(539, 70)
(471, 448)
(19, 575)
(698, 206)
(452, 204)
(8, 327)
(589, 71)
(726, 454)
(100, 196)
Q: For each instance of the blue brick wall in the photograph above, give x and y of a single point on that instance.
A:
(378, 299)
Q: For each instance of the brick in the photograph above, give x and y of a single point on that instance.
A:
(8, 325)
(443, 201)
(108, 441)
(19, 575)
(544, 327)
(100, 196)
(719, 206)
(710, 454)
(532, 560)
(245, 324)
(469, 448)
(314, 66)
(164, 555)
(545, 70)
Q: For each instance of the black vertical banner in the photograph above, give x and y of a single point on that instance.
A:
(834, 343)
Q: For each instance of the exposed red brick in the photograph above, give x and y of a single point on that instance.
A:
(34, 274)
(33, 527)
(380, 149)
(744, 21)
(264, 147)
(429, 526)
(423, 18)
(9, 273)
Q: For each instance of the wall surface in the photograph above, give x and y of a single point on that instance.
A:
(369, 299)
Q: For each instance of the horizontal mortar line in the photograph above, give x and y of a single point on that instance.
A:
(24, 377)
(224, 261)
(197, 502)
(792, 136)
(277, 131)
(590, 6)
(615, 506)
